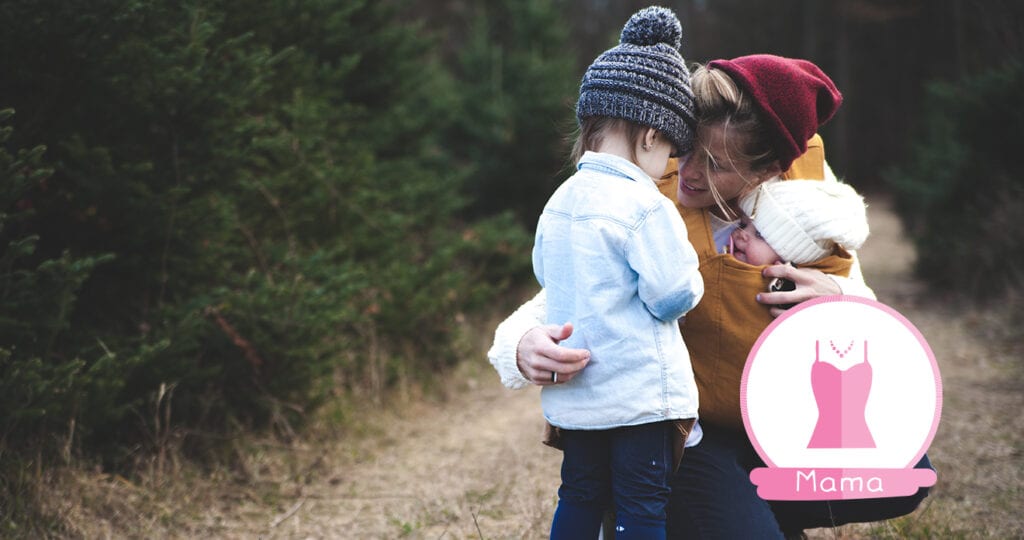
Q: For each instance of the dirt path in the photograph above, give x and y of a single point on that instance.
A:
(473, 466)
(470, 467)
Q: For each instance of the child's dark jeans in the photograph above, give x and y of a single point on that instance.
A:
(629, 467)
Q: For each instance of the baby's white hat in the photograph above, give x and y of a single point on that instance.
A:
(802, 219)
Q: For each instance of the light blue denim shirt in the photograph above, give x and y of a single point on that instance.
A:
(613, 255)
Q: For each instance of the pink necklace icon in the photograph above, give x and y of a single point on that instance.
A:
(841, 396)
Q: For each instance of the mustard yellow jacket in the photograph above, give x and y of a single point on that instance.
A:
(724, 326)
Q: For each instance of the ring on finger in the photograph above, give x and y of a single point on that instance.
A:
(554, 376)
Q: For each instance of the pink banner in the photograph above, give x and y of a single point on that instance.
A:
(779, 484)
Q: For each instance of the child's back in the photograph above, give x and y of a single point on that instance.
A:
(611, 254)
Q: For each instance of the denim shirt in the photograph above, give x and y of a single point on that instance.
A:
(613, 255)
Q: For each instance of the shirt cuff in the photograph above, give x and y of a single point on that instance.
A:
(854, 285)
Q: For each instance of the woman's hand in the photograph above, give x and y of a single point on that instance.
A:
(810, 284)
(543, 361)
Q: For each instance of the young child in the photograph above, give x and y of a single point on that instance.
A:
(612, 253)
(800, 222)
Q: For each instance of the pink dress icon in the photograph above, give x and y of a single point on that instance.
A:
(841, 396)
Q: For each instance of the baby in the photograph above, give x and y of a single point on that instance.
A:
(799, 222)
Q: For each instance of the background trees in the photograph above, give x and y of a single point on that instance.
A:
(217, 214)
(226, 211)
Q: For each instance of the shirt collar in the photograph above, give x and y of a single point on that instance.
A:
(615, 165)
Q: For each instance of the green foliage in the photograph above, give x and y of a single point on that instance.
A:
(244, 206)
(41, 394)
(39, 295)
(961, 196)
(519, 85)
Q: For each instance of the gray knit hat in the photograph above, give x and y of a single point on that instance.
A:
(643, 79)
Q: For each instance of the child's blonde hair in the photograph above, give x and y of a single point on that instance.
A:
(593, 130)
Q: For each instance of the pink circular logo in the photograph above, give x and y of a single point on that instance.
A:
(841, 396)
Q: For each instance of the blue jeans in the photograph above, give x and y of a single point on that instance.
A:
(628, 466)
(712, 496)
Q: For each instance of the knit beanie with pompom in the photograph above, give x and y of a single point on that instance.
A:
(643, 79)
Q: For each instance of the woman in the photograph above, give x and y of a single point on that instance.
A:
(758, 116)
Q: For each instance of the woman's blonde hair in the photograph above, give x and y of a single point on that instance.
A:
(721, 102)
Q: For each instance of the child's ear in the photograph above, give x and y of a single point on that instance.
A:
(650, 137)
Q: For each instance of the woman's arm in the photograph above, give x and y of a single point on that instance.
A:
(812, 284)
(525, 350)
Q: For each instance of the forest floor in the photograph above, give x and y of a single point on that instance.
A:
(469, 464)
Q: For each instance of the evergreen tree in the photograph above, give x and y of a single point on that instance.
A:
(39, 294)
(960, 194)
(249, 201)
(519, 84)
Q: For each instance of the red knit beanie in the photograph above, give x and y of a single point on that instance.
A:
(795, 96)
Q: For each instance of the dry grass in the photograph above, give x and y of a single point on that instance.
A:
(468, 463)
(462, 463)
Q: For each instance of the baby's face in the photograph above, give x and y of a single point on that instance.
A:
(748, 245)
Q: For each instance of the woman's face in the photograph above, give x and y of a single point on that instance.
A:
(714, 164)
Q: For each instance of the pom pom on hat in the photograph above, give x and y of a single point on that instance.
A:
(795, 96)
(803, 219)
(651, 26)
(643, 79)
